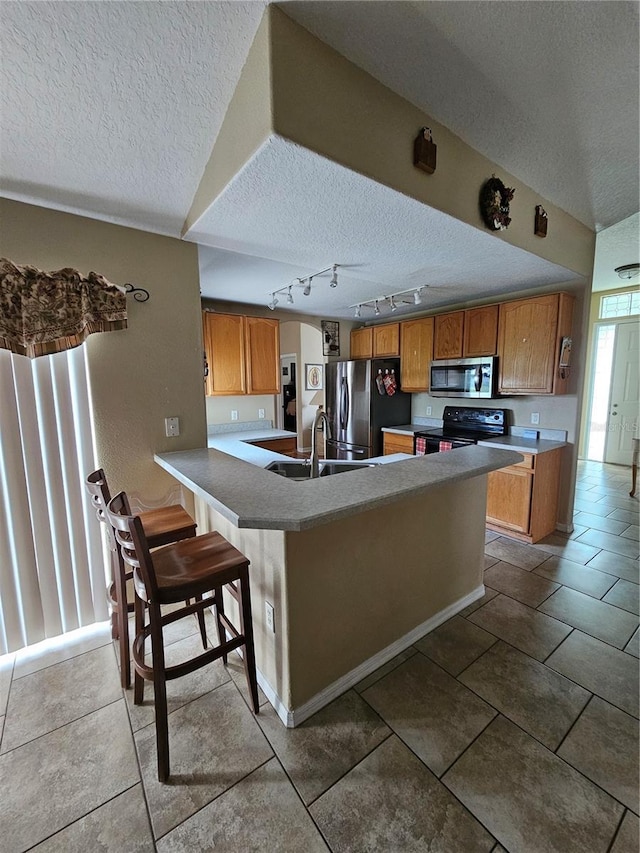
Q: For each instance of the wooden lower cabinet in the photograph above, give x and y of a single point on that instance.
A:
(522, 500)
(394, 442)
(286, 446)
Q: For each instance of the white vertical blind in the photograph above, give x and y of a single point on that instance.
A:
(52, 570)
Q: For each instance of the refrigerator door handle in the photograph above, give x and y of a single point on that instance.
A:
(344, 404)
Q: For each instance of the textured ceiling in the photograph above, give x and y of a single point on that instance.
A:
(111, 109)
(617, 246)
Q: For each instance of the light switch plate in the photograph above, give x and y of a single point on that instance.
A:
(234, 414)
(172, 427)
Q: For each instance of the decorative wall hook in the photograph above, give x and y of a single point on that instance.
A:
(139, 293)
(540, 227)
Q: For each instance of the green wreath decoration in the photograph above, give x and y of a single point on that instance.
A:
(494, 204)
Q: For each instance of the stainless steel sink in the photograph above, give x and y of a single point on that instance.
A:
(329, 468)
(291, 470)
(301, 470)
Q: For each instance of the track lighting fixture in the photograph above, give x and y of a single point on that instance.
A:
(413, 296)
(305, 284)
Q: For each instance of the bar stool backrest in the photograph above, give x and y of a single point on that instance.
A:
(98, 489)
(132, 542)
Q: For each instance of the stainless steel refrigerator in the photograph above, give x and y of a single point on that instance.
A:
(357, 410)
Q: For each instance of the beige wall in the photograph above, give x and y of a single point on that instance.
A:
(330, 106)
(147, 372)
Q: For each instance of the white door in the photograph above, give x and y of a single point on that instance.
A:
(624, 402)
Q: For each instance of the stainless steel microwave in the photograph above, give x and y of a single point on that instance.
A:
(464, 377)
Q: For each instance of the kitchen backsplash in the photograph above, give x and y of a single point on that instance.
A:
(239, 426)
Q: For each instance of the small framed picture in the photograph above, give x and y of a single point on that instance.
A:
(313, 377)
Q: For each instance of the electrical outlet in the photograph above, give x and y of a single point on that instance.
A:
(234, 414)
(535, 417)
(269, 616)
(428, 410)
(171, 427)
(260, 413)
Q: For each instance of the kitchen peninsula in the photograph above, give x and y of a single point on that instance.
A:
(357, 566)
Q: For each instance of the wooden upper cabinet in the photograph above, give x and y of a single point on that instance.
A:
(262, 348)
(529, 338)
(480, 331)
(224, 346)
(243, 354)
(448, 339)
(362, 342)
(386, 340)
(416, 353)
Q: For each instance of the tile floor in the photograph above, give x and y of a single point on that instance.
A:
(512, 727)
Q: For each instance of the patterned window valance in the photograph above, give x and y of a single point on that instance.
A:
(46, 312)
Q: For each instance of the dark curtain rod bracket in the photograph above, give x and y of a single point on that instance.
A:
(139, 293)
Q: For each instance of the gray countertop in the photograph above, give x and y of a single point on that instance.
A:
(406, 429)
(523, 445)
(251, 497)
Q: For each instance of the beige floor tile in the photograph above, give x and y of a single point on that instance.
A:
(435, 715)
(631, 532)
(633, 646)
(120, 825)
(625, 595)
(488, 595)
(575, 575)
(384, 669)
(628, 515)
(528, 630)
(527, 587)
(490, 535)
(235, 668)
(326, 746)
(489, 561)
(568, 549)
(539, 700)
(261, 812)
(628, 837)
(214, 742)
(600, 522)
(530, 799)
(62, 776)
(66, 691)
(604, 621)
(605, 671)
(389, 803)
(583, 504)
(622, 501)
(6, 674)
(609, 542)
(180, 691)
(1, 728)
(603, 746)
(58, 649)
(455, 644)
(516, 553)
(616, 564)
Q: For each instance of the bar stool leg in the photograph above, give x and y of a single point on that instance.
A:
(138, 680)
(160, 693)
(201, 624)
(246, 628)
(222, 634)
(123, 621)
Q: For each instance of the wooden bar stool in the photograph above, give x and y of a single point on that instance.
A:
(168, 575)
(162, 526)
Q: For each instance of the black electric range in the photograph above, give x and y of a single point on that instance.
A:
(461, 426)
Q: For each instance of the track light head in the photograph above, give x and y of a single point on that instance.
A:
(417, 297)
(334, 276)
(307, 285)
(273, 303)
(392, 304)
(358, 310)
(377, 309)
(290, 296)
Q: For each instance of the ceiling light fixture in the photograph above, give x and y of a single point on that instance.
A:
(305, 284)
(413, 296)
(628, 271)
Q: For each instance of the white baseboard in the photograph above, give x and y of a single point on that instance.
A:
(292, 718)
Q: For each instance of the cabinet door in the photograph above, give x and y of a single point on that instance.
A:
(509, 498)
(362, 343)
(416, 353)
(396, 443)
(480, 331)
(386, 340)
(224, 345)
(527, 345)
(447, 341)
(262, 346)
